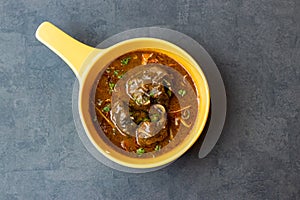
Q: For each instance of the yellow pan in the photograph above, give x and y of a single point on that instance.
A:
(86, 62)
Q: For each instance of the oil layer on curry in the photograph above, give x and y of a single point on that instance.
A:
(145, 103)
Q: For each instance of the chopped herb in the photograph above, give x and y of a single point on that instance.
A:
(181, 92)
(146, 100)
(116, 72)
(111, 86)
(152, 93)
(146, 119)
(138, 101)
(125, 61)
(130, 82)
(140, 151)
(120, 76)
(106, 108)
(154, 117)
(157, 147)
(169, 92)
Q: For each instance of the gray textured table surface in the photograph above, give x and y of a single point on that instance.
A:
(256, 45)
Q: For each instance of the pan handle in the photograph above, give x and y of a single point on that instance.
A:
(73, 52)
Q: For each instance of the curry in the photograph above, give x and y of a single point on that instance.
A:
(145, 103)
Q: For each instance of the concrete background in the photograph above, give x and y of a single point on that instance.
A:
(256, 45)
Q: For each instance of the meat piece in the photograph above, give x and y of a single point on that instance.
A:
(155, 130)
(121, 118)
(157, 138)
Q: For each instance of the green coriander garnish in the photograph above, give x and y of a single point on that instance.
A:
(116, 72)
(157, 147)
(120, 76)
(146, 119)
(140, 151)
(181, 92)
(106, 108)
(146, 100)
(125, 61)
(111, 86)
(154, 117)
(130, 82)
(138, 101)
(152, 93)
